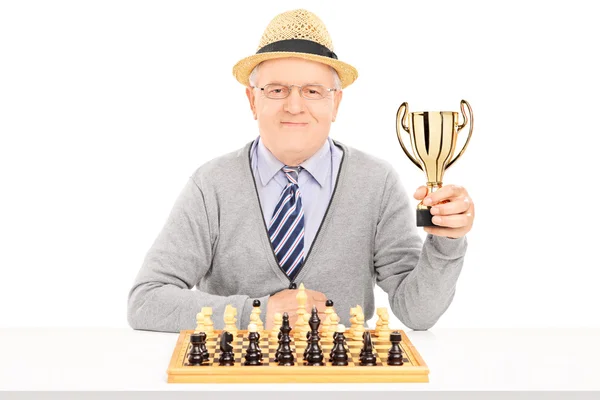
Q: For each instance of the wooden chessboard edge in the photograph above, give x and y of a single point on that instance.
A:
(343, 378)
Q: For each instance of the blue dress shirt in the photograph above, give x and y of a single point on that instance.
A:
(316, 182)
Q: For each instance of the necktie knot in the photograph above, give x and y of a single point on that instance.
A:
(292, 174)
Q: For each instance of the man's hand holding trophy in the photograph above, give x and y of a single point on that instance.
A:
(444, 210)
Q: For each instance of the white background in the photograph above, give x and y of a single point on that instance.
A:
(107, 107)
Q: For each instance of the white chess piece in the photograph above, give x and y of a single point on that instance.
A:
(230, 320)
(277, 323)
(200, 317)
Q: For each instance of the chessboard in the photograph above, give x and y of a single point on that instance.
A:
(413, 369)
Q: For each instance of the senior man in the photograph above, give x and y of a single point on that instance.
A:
(295, 206)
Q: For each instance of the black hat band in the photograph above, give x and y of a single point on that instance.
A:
(298, 46)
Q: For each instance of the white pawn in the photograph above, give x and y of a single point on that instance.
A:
(209, 326)
(359, 328)
(353, 324)
(324, 328)
(382, 328)
(200, 322)
(277, 322)
(256, 319)
(230, 320)
(334, 319)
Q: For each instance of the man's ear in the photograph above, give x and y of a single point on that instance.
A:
(252, 100)
(336, 103)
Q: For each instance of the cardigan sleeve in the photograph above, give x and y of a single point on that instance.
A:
(419, 276)
(163, 297)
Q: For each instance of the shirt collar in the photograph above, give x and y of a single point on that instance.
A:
(318, 165)
(268, 164)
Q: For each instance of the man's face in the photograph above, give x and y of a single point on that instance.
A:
(293, 128)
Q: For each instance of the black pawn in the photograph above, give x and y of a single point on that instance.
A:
(284, 354)
(339, 351)
(198, 354)
(395, 352)
(253, 354)
(366, 354)
(335, 334)
(307, 345)
(226, 358)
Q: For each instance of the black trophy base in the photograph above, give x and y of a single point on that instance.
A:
(424, 217)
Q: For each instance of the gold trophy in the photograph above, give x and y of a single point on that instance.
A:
(433, 136)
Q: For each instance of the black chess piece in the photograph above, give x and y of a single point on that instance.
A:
(366, 354)
(307, 345)
(335, 334)
(339, 353)
(362, 350)
(198, 353)
(285, 356)
(279, 344)
(332, 347)
(253, 354)
(314, 352)
(395, 353)
(227, 357)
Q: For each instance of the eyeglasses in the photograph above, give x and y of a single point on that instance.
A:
(309, 92)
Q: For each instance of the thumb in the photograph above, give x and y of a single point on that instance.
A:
(420, 193)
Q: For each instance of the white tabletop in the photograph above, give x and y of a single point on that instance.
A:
(458, 359)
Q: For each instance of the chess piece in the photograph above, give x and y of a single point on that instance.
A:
(277, 321)
(395, 353)
(307, 345)
(227, 357)
(359, 327)
(314, 354)
(366, 354)
(382, 328)
(301, 327)
(326, 324)
(198, 353)
(334, 320)
(339, 353)
(253, 353)
(353, 312)
(334, 336)
(200, 322)
(284, 354)
(209, 328)
(256, 320)
(230, 320)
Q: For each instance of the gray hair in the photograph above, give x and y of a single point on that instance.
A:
(337, 83)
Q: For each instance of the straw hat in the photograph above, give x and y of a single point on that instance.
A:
(297, 33)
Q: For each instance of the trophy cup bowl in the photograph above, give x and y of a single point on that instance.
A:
(433, 136)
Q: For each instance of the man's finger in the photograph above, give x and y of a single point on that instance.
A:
(445, 193)
(456, 206)
(451, 221)
(420, 193)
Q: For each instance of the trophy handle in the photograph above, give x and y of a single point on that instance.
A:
(460, 127)
(401, 123)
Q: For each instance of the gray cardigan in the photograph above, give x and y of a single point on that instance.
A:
(214, 250)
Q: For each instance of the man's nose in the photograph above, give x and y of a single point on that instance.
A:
(294, 103)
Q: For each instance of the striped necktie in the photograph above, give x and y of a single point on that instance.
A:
(286, 229)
